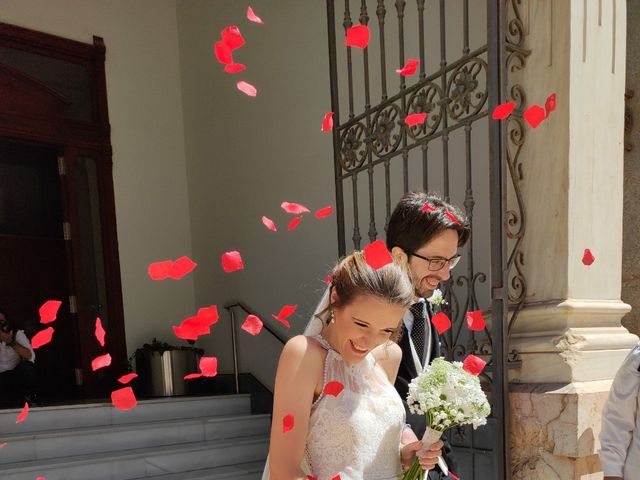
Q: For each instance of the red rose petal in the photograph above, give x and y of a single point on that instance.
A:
(327, 122)
(208, 315)
(181, 267)
(124, 379)
(101, 362)
(452, 217)
(191, 376)
(234, 67)
(587, 257)
(503, 110)
(358, 36)
(534, 115)
(223, 53)
(232, 261)
(550, 104)
(324, 212)
(99, 332)
(49, 311)
(333, 388)
(124, 398)
(294, 208)
(287, 423)
(453, 475)
(409, 68)
(267, 222)
(377, 255)
(42, 338)
(441, 322)
(311, 477)
(23, 413)
(232, 38)
(428, 208)
(475, 321)
(294, 223)
(247, 88)
(285, 312)
(2, 445)
(415, 118)
(473, 365)
(252, 325)
(192, 327)
(337, 477)
(328, 279)
(209, 366)
(41, 478)
(159, 270)
(252, 17)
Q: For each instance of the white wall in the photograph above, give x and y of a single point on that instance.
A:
(247, 155)
(145, 111)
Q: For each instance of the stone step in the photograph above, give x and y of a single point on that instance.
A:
(146, 462)
(112, 438)
(101, 414)
(245, 471)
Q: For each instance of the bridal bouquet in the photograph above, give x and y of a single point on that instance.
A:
(449, 396)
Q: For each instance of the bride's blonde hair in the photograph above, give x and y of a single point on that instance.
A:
(353, 276)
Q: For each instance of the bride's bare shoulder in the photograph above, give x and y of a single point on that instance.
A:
(303, 349)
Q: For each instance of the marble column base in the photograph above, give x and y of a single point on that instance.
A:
(554, 430)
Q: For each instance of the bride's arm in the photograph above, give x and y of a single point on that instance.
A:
(296, 380)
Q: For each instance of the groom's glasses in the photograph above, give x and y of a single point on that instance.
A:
(438, 263)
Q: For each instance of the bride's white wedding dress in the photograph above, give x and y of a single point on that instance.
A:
(357, 434)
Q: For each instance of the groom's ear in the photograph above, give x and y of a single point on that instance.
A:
(399, 255)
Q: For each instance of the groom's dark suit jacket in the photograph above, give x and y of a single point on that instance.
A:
(406, 373)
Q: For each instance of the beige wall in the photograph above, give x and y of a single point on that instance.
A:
(145, 111)
(247, 155)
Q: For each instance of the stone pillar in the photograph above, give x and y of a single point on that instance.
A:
(569, 335)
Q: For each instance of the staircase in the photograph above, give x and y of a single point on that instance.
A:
(194, 438)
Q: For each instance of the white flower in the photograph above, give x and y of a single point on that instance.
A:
(437, 298)
(448, 395)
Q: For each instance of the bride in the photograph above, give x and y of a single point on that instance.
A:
(354, 431)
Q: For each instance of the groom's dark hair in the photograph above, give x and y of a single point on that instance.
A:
(419, 217)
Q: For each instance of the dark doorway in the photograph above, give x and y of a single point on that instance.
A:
(58, 235)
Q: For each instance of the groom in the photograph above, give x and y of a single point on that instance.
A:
(425, 232)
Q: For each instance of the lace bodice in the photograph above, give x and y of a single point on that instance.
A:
(357, 434)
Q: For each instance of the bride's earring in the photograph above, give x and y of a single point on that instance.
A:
(332, 318)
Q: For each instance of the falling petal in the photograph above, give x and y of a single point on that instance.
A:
(475, 321)
(99, 332)
(232, 261)
(324, 212)
(415, 118)
(441, 322)
(101, 362)
(377, 255)
(252, 17)
(124, 379)
(124, 398)
(534, 115)
(232, 38)
(223, 53)
(209, 366)
(287, 423)
(49, 311)
(181, 267)
(327, 122)
(358, 36)
(267, 222)
(294, 208)
(587, 257)
(333, 388)
(234, 68)
(252, 325)
(247, 88)
(550, 104)
(503, 110)
(409, 67)
(42, 338)
(23, 413)
(159, 270)
(294, 223)
(473, 365)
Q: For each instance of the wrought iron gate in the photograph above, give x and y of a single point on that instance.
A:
(459, 152)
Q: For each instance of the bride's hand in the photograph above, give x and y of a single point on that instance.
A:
(428, 459)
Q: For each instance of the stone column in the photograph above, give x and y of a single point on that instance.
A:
(569, 335)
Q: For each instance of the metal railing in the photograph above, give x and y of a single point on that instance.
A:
(234, 340)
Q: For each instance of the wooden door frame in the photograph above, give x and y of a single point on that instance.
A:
(32, 111)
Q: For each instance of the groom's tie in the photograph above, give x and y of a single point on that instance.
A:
(417, 332)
